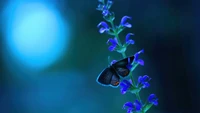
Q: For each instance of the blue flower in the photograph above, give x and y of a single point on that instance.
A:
(105, 7)
(104, 27)
(143, 81)
(105, 12)
(100, 7)
(124, 22)
(153, 99)
(101, 1)
(131, 107)
(109, 4)
(129, 41)
(125, 85)
(139, 61)
(113, 45)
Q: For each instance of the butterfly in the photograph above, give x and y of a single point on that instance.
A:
(111, 75)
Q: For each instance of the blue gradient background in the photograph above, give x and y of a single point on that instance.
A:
(51, 54)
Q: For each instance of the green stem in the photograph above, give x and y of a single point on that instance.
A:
(124, 56)
(132, 79)
(117, 36)
(134, 66)
(138, 97)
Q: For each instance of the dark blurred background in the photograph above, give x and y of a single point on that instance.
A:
(52, 52)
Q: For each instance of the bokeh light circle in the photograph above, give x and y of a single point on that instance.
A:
(35, 34)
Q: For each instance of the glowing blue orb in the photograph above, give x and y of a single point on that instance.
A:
(35, 33)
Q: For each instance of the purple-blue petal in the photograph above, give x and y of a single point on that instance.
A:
(130, 81)
(129, 110)
(128, 104)
(102, 30)
(145, 85)
(113, 61)
(125, 85)
(116, 41)
(105, 12)
(155, 102)
(125, 23)
(140, 78)
(145, 78)
(109, 2)
(128, 40)
(153, 99)
(112, 47)
(112, 41)
(103, 24)
(138, 53)
(123, 90)
(127, 82)
(141, 62)
(122, 84)
(113, 44)
(104, 27)
(143, 81)
(137, 105)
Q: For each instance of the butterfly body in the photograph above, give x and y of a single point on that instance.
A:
(112, 75)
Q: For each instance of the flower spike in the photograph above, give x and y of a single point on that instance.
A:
(113, 74)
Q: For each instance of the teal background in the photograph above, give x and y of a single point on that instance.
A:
(167, 30)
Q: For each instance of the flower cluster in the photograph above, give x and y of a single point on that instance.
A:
(127, 85)
(137, 106)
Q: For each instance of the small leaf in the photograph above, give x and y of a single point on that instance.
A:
(134, 90)
(119, 29)
(110, 17)
(111, 33)
(121, 49)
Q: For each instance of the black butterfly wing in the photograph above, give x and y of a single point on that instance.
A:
(122, 67)
(124, 61)
(108, 77)
(115, 81)
(122, 71)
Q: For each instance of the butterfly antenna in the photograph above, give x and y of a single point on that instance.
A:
(108, 60)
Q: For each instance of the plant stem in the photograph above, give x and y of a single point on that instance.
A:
(124, 56)
(138, 96)
(117, 36)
